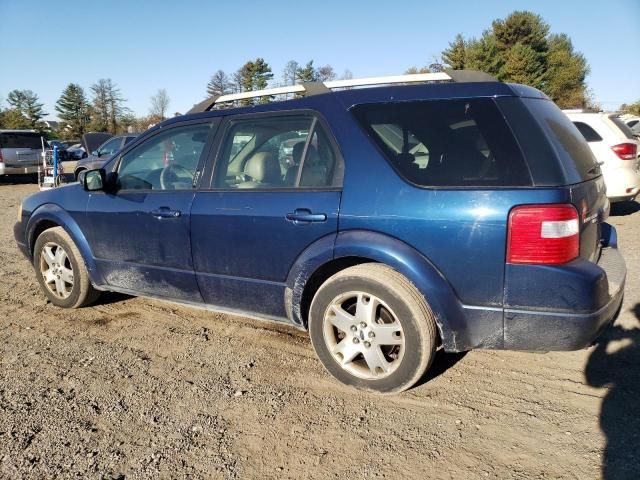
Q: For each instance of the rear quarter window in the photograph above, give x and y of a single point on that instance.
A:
(570, 145)
(589, 134)
(624, 128)
(446, 143)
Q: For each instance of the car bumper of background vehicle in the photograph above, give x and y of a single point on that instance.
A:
(5, 170)
(623, 184)
(548, 330)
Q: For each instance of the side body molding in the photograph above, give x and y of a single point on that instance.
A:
(53, 213)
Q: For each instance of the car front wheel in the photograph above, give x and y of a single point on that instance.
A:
(372, 329)
(61, 271)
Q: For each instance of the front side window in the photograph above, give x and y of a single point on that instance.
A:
(446, 143)
(166, 161)
(276, 152)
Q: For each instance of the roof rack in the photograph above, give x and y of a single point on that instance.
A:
(314, 88)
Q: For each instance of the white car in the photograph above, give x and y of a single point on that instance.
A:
(634, 124)
(616, 149)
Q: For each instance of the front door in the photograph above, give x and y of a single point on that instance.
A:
(140, 233)
(275, 191)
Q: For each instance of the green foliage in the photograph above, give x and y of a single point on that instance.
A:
(631, 109)
(24, 103)
(73, 110)
(520, 49)
(307, 73)
(254, 75)
(456, 55)
(14, 118)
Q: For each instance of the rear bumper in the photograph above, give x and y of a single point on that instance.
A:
(5, 170)
(555, 330)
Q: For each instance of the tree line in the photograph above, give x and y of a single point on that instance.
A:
(103, 110)
(258, 75)
(519, 48)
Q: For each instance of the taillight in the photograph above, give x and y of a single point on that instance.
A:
(626, 151)
(543, 234)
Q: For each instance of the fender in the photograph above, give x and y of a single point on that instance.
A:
(54, 213)
(446, 307)
(308, 262)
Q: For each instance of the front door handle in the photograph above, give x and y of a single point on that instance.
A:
(166, 212)
(302, 216)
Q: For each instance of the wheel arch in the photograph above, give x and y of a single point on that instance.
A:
(322, 260)
(50, 215)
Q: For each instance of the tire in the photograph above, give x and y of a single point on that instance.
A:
(77, 172)
(397, 345)
(61, 271)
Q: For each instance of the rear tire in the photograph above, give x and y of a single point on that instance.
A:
(372, 329)
(61, 271)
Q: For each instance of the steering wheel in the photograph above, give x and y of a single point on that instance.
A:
(174, 173)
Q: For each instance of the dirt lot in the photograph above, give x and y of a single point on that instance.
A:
(138, 388)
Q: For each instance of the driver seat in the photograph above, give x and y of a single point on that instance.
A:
(263, 170)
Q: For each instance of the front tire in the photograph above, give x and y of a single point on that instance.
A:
(372, 329)
(61, 271)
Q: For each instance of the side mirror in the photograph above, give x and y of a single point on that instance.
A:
(93, 180)
(96, 153)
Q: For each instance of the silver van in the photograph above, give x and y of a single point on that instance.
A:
(19, 152)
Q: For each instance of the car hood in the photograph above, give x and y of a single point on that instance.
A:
(91, 141)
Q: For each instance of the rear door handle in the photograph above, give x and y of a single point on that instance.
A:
(166, 212)
(302, 216)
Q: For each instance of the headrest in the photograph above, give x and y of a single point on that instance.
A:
(262, 167)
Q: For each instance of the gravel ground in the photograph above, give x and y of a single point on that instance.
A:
(136, 388)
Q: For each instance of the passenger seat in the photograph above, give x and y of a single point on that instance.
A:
(263, 170)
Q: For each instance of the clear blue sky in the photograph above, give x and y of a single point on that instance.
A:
(177, 44)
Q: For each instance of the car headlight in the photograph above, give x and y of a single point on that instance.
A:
(20, 211)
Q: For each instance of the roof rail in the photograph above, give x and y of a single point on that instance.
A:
(314, 88)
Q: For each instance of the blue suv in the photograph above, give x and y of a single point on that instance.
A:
(388, 221)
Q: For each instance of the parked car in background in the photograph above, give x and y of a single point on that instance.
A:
(615, 147)
(76, 152)
(20, 152)
(634, 124)
(453, 215)
(103, 153)
(63, 154)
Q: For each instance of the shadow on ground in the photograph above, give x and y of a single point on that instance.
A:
(624, 208)
(442, 362)
(614, 365)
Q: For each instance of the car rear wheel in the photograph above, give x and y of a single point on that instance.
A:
(61, 271)
(372, 329)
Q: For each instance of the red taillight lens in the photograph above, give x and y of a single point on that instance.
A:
(626, 151)
(543, 234)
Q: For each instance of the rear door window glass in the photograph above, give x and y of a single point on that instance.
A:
(446, 143)
(589, 134)
(20, 140)
(276, 152)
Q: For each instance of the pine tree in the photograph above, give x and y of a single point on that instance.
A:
(26, 103)
(73, 109)
(520, 49)
(107, 106)
(219, 84)
(456, 55)
(254, 75)
(307, 73)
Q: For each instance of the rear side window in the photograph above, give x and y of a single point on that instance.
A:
(589, 134)
(569, 144)
(622, 126)
(20, 140)
(446, 143)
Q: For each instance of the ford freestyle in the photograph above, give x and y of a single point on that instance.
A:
(388, 217)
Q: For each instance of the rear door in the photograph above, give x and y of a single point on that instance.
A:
(275, 190)
(20, 149)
